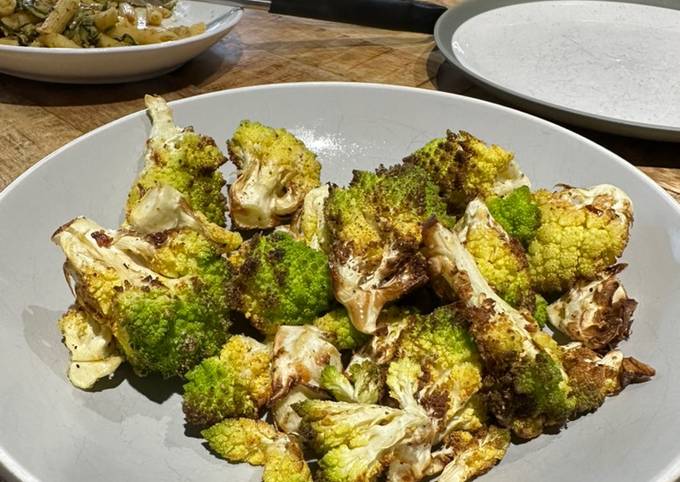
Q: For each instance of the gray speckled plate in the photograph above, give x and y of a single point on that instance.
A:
(606, 65)
(134, 430)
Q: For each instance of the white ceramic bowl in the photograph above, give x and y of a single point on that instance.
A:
(50, 431)
(122, 64)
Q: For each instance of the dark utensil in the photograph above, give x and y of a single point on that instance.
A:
(405, 15)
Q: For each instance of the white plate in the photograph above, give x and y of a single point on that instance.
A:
(610, 65)
(122, 64)
(53, 432)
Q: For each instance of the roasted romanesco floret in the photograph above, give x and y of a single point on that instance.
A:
(236, 383)
(465, 168)
(340, 331)
(258, 443)
(474, 453)
(163, 208)
(500, 258)
(162, 296)
(596, 313)
(375, 227)
(300, 355)
(532, 383)
(594, 377)
(280, 280)
(356, 442)
(94, 352)
(517, 212)
(183, 159)
(528, 389)
(582, 232)
(309, 222)
(275, 172)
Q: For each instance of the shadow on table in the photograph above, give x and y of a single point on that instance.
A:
(639, 152)
(219, 59)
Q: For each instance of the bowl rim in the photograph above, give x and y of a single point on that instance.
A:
(12, 470)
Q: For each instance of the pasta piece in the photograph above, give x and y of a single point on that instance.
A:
(106, 19)
(8, 41)
(141, 36)
(57, 40)
(7, 7)
(154, 15)
(107, 41)
(60, 16)
(127, 11)
(18, 19)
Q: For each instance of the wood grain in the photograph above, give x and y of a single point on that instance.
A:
(37, 117)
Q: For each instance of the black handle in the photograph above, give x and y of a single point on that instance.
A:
(406, 15)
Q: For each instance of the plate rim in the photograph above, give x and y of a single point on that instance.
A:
(221, 24)
(449, 22)
(13, 471)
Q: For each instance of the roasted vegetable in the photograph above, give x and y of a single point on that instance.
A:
(162, 296)
(300, 355)
(597, 313)
(532, 383)
(309, 223)
(183, 159)
(500, 258)
(237, 383)
(275, 172)
(582, 232)
(94, 352)
(517, 212)
(465, 168)
(280, 281)
(375, 225)
(258, 443)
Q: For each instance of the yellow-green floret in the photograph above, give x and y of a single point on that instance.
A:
(526, 386)
(281, 281)
(236, 383)
(355, 441)
(340, 331)
(500, 258)
(162, 295)
(464, 168)
(448, 358)
(518, 213)
(258, 443)
(375, 225)
(275, 172)
(183, 159)
(582, 232)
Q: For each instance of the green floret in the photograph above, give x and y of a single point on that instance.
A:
(518, 213)
(258, 443)
(541, 311)
(237, 383)
(356, 441)
(339, 330)
(375, 225)
(465, 168)
(593, 377)
(281, 281)
(183, 159)
(448, 358)
(582, 232)
(526, 385)
(500, 258)
(362, 383)
(275, 172)
(163, 296)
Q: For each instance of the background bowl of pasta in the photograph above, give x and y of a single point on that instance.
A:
(86, 42)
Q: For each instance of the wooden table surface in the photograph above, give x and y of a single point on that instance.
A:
(37, 118)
